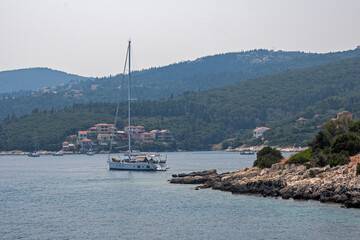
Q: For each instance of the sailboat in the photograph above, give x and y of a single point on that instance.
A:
(34, 154)
(134, 160)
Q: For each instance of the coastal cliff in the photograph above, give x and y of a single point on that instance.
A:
(338, 184)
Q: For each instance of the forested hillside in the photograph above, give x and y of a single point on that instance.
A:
(33, 78)
(198, 120)
(163, 82)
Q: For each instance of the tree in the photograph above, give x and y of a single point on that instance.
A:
(267, 156)
(355, 127)
(321, 141)
(349, 142)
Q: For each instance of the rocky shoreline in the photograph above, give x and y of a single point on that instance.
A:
(338, 184)
(18, 152)
(258, 148)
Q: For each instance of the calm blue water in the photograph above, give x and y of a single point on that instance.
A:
(76, 197)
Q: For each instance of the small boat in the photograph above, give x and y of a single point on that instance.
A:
(58, 154)
(34, 154)
(90, 153)
(247, 152)
(134, 160)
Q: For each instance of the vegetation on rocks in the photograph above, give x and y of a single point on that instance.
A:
(328, 184)
(301, 157)
(334, 145)
(340, 158)
(266, 157)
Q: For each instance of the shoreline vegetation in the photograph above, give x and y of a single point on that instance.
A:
(43, 152)
(339, 184)
(223, 116)
(328, 171)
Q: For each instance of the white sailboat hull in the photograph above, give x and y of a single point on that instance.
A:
(137, 166)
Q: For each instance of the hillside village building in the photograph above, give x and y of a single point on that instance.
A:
(82, 135)
(103, 133)
(85, 144)
(258, 132)
(302, 120)
(157, 135)
(164, 136)
(135, 131)
(147, 137)
(65, 146)
(344, 114)
(105, 138)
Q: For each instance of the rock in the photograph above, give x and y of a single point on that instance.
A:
(338, 184)
(286, 196)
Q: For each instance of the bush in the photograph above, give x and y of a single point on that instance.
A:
(355, 127)
(320, 160)
(298, 160)
(266, 157)
(301, 157)
(339, 159)
(349, 142)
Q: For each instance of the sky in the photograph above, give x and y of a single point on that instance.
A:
(89, 37)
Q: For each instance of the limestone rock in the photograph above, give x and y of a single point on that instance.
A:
(338, 184)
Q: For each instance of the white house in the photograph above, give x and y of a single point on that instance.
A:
(258, 132)
(82, 135)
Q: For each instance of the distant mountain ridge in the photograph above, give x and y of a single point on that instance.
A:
(198, 120)
(34, 78)
(164, 82)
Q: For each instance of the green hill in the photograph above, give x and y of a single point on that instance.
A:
(198, 120)
(163, 82)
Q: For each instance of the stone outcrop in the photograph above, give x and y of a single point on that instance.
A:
(338, 184)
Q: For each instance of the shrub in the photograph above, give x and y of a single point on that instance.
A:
(355, 127)
(301, 157)
(320, 160)
(349, 142)
(339, 158)
(266, 157)
(298, 160)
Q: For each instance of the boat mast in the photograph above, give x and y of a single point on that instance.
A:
(129, 99)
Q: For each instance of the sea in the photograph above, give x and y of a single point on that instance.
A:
(77, 197)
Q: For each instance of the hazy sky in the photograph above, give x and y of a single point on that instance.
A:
(89, 37)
